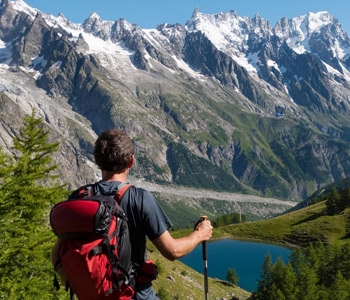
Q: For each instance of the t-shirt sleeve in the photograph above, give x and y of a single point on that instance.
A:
(155, 220)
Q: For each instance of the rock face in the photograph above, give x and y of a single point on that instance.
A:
(225, 102)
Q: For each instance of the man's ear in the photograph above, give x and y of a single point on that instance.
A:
(131, 162)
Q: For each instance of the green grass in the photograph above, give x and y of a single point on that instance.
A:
(182, 282)
(297, 228)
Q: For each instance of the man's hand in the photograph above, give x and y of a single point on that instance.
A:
(205, 229)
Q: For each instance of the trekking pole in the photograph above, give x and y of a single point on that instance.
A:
(205, 261)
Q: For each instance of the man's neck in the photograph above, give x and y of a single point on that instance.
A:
(110, 176)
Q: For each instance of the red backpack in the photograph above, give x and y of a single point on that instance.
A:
(95, 248)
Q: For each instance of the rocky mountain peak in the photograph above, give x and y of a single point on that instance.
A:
(195, 12)
(225, 101)
(98, 27)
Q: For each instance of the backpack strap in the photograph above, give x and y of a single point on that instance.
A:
(93, 189)
(120, 191)
(85, 191)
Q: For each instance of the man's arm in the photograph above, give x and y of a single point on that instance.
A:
(172, 248)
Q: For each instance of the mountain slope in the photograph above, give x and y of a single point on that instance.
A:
(300, 228)
(225, 102)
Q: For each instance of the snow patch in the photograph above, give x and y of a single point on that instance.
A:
(185, 67)
(5, 54)
(39, 61)
(318, 20)
(20, 5)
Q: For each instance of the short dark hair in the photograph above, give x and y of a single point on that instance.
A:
(113, 150)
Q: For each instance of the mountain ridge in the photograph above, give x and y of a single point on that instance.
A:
(257, 117)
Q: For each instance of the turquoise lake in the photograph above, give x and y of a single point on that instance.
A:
(245, 257)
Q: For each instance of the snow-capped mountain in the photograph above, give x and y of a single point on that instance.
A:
(241, 37)
(224, 102)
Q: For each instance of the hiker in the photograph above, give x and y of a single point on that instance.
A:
(114, 155)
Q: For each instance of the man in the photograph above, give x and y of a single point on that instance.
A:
(114, 155)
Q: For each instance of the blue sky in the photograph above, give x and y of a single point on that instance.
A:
(150, 13)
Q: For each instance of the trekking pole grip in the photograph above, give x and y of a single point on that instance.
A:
(201, 219)
(204, 244)
(204, 218)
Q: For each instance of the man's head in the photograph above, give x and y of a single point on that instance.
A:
(114, 151)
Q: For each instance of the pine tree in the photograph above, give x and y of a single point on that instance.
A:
(340, 288)
(317, 272)
(231, 276)
(28, 188)
(345, 265)
(333, 202)
(284, 279)
(306, 285)
(345, 196)
(275, 294)
(265, 282)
